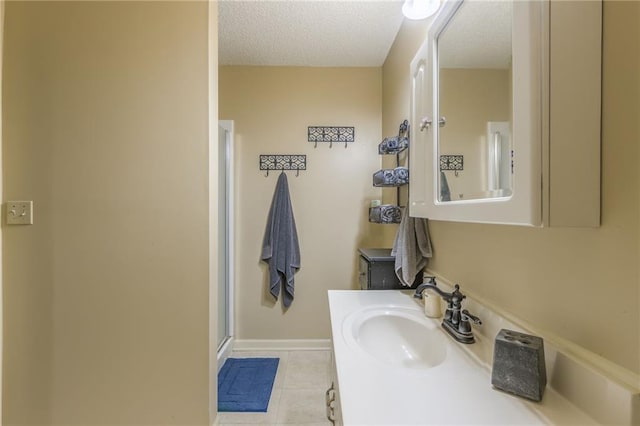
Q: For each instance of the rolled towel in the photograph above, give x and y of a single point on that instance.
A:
(402, 174)
(391, 177)
(386, 213)
(393, 145)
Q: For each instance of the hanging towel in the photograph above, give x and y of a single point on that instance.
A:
(412, 248)
(445, 194)
(280, 247)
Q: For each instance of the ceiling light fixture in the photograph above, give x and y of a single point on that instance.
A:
(419, 9)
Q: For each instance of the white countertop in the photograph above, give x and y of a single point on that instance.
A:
(457, 391)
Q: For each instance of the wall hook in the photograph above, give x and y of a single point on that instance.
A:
(267, 175)
(330, 144)
(315, 145)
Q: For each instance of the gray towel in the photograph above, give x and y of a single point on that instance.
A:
(280, 244)
(391, 177)
(445, 194)
(412, 248)
(386, 213)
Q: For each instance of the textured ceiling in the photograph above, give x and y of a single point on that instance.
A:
(349, 33)
(318, 33)
(478, 36)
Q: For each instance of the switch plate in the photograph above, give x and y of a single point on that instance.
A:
(19, 212)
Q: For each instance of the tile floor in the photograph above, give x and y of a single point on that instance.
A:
(298, 395)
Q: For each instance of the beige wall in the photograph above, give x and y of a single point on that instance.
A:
(469, 98)
(581, 284)
(106, 295)
(215, 249)
(272, 108)
(395, 95)
(2, 7)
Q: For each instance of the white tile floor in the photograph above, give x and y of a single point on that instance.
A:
(298, 395)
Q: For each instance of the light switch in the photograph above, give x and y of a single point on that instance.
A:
(19, 212)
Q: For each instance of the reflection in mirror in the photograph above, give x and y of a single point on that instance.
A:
(474, 94)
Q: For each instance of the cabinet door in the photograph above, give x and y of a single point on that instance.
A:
(521, 205)
(572, 186)
(555, 86)
(420, 153)
(334, 412)
(363, 275)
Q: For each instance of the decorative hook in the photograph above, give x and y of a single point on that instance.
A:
(404, 127)
(297, 172)
(330, 144)
(267, 175)
(345, 144)
(315, 145)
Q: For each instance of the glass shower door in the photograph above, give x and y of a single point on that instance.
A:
(224, 203)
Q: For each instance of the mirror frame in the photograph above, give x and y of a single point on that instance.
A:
(524, 206)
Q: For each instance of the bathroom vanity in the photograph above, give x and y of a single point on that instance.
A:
(394, 366)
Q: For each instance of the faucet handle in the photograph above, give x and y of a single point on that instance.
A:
(467, 316)
(464, 325)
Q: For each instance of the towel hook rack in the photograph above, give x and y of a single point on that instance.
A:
(452, 162)
(330, 134)
(283, 162)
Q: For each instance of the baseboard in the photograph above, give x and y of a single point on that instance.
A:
(281, 345)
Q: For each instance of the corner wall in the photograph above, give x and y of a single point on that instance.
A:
(580, 284)
(214, 198)
(2, 7)
(106, 317)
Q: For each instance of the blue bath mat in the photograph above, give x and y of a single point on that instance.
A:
(244, 384)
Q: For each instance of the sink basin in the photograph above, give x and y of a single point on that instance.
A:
(396, 336)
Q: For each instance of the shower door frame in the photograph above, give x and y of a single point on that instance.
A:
(225, 347)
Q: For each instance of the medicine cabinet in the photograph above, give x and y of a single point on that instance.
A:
(506, 114)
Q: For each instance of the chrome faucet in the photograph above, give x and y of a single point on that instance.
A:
(456, 321)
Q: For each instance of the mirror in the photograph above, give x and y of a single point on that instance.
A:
(474, 76)
(486, 125)
(525, 128)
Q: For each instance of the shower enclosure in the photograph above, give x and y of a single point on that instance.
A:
(225, 240)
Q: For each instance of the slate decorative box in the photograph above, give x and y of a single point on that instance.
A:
(518, 364)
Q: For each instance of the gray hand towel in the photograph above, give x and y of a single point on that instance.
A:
(280, 247)
(412, 248)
